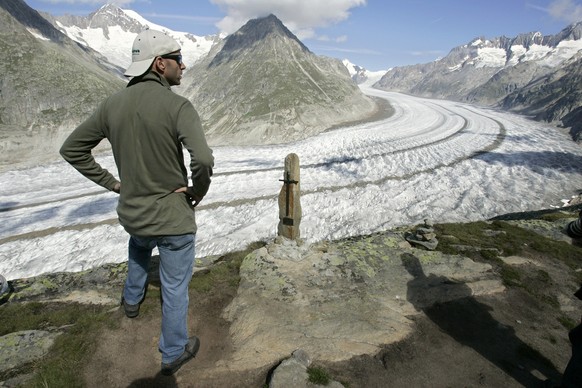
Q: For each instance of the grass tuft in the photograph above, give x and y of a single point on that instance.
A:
(224, 272)
(318, 376)
(567, 322)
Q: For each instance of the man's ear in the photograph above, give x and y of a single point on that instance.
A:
(159, 65)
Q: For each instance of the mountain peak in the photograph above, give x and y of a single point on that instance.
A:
(254, 31)
(571, 32)
(278, 90)
(110, 15)
(108, 11)
(258, 29)
(109, 7)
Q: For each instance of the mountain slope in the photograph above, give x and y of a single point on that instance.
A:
(48, 85)
(553, 97)
(262, 85)
(521, 74)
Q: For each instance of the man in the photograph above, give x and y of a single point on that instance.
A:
(147, 125)
(573, 373)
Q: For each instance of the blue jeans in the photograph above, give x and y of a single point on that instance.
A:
(176, 265)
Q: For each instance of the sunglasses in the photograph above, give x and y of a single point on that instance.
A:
(176, 57)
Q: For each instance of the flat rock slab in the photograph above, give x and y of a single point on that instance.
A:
(22, 347)
(342, 300)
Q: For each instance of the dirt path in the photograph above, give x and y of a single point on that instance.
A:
(128, 356)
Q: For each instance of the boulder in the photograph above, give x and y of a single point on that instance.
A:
(340, 300)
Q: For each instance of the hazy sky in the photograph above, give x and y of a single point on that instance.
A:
(375, 34)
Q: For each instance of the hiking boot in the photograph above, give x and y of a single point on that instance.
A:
(131, 310)
(189, 353)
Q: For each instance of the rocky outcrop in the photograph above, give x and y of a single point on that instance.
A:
(293, 372)
(4, 288)
(555, 97)
(332, 300)
(337, 301)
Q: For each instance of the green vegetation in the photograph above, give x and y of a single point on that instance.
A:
(318, 376)
(39, 316)
(224, 273)
(490, 241)
(567, 322)
(71, 349)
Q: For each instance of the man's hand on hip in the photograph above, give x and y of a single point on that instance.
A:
(189, 191)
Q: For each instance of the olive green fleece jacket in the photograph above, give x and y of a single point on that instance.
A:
(147, 125)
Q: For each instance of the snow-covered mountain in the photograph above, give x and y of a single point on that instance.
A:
(488, 71)
(468, 67)
(549, 51)
(361, 75)
(111, 31)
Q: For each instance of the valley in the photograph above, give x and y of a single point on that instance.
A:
(435, 159)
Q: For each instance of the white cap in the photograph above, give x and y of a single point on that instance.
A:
(148, 45)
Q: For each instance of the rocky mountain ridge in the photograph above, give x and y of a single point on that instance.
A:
(530, 74)
(252, 33)
(261, 85)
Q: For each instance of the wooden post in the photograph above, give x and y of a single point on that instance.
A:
(289, 200)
